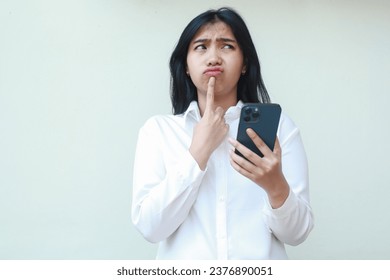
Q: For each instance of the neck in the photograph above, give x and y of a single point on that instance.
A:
(224, 102)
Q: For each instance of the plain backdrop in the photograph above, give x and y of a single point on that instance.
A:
(78, 78)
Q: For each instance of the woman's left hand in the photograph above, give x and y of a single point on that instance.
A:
(264, 171)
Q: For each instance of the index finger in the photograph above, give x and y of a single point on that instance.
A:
(260, 144)
(210, 94)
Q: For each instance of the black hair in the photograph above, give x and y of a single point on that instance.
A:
(250, 86)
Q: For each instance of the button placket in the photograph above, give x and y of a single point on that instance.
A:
(221, 213)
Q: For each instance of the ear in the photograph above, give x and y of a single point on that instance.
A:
(243, 71)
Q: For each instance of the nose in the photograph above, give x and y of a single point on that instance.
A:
(214, 57)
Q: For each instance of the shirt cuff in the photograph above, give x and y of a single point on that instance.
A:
(283, 211)
(189, 170)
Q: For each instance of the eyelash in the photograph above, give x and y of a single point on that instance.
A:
(200, 47)
(203, 47)
(229, 46)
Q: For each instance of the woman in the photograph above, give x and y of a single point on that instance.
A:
(192, 194)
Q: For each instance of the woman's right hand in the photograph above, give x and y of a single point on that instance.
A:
(210, 131)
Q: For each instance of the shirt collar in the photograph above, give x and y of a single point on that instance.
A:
(192, 110)
(232, 113)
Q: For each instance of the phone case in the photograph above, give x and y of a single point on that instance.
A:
(263, 118)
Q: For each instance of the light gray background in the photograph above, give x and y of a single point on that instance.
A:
(79, 77)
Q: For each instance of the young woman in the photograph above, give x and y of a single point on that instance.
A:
(191, 193)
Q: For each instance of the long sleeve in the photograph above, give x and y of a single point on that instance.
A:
(166, 180)
(217, 213)
(293, 221)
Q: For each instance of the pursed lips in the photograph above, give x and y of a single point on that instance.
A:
(213, 71)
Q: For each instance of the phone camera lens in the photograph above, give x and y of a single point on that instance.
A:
(255, 115)
(248, 111)
(247, 118)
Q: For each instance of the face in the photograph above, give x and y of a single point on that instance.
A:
(214, 51)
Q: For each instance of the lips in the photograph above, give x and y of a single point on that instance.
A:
(213, 71)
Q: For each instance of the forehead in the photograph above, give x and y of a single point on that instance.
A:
(214, 29)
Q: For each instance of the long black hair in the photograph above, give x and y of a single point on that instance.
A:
(250, 86)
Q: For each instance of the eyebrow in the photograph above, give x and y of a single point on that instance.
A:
(223, 39)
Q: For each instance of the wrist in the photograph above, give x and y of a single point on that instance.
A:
(278, 194)
(200, 156)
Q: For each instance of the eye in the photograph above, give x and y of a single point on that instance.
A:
(228, 46)
(200, 47)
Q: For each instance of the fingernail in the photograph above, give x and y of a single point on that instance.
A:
(250, 132)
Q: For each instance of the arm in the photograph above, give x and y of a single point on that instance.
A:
(165, 192)
(162, 195)
(283, 174)
(293, 221)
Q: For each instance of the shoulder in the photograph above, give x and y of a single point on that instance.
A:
(169, 120)
(286, 122)
(287, 128)
(161, 122)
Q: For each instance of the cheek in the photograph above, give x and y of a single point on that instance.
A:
(199, 82)
(192, 70)
(239, 65)
(191, 63)
(235, 73)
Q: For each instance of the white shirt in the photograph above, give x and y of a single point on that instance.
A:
(216, 213)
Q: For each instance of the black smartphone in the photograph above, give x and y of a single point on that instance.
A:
(263, 118)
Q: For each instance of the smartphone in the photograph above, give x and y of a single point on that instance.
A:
(263, 118)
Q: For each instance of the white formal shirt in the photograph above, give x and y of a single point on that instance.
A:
(216, 213)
